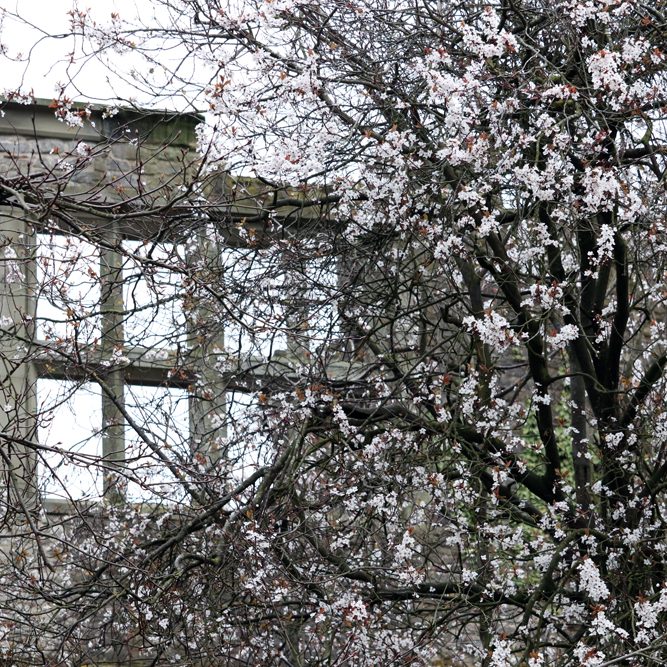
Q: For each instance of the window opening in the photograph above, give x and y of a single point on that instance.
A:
(152, 295)
(69, 427)
(68, 293)
(281, 300)
(163, 414)
(249, 442)
(252, 282)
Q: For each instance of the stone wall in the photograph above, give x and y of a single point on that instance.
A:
(91, 155)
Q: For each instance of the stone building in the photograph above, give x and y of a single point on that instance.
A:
(98, 206)
(141, 324)
(113, 368)
(99, 168)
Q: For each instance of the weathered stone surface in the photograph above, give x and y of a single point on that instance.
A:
(109, 158)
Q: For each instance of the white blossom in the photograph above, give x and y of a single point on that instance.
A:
(591, 582)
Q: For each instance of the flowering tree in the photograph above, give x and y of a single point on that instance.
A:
(418, 283)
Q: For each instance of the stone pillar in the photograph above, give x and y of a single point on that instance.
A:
(18, 378)
(206, 354)
(111, 347)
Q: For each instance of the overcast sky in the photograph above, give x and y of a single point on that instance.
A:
(36, 51)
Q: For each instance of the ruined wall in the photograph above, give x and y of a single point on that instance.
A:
(92, 154)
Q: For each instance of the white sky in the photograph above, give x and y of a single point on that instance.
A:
(40, 60)
(36, 50)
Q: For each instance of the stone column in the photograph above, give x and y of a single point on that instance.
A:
(111, 347)
(18, 378)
